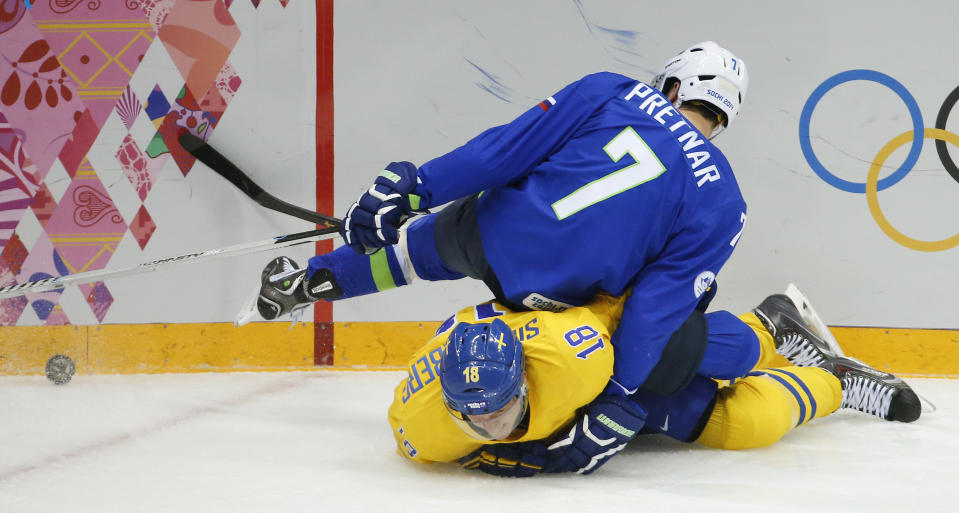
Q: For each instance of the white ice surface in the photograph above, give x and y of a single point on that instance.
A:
(320, 442)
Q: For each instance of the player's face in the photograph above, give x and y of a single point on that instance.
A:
(501, 423)
(497, 425)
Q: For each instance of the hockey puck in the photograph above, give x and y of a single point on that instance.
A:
(60, 369)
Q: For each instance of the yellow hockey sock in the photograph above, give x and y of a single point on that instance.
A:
(767, 344)
(758, 410)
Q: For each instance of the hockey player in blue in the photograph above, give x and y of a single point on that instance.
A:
(610, 185)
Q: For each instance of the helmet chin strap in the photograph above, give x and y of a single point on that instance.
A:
(716, 131)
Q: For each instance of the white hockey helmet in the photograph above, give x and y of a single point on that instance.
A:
(708, 73)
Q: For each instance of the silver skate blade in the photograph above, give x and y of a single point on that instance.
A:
(927, 405)
(248, 312)
(812, 319)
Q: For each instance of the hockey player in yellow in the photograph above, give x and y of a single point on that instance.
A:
(561, 376)
(501, 391)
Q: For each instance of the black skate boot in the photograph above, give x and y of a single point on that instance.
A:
(872, 391)
(794, 340)
(285, 288)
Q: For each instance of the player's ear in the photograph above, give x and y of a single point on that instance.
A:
(672, 92)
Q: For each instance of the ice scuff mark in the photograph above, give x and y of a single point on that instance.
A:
(499, 78)
(621, 45)
(492, 84)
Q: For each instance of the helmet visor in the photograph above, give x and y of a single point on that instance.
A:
(497, 425)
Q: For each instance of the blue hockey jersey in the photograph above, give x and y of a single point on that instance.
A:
(603, 186)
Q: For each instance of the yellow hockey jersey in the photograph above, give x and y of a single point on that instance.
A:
(569, 361)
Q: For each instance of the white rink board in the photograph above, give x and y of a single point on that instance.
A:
(413, 80)
(414, 73)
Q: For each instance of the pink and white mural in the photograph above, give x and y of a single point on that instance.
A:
(65, 69)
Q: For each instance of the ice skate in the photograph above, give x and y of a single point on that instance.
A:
(872, 391)
(795, 340)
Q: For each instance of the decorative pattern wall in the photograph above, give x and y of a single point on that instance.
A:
(67, 69)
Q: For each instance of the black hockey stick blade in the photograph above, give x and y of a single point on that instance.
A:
(205, 153)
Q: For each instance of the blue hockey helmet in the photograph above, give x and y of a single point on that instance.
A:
(482, 374)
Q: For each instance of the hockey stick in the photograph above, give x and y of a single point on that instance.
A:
(62, 282)
(223, 167)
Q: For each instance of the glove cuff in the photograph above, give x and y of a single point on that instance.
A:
(322, 285)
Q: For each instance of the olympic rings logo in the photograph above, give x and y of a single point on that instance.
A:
(873, 185)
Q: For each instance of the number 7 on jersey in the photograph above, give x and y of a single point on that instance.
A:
(646, 168)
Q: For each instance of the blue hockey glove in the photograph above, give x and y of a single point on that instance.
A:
(604, 429)
(373, 221)
(522, 459)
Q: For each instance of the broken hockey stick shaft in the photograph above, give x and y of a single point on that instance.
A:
(205, 153)
(62, 282)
